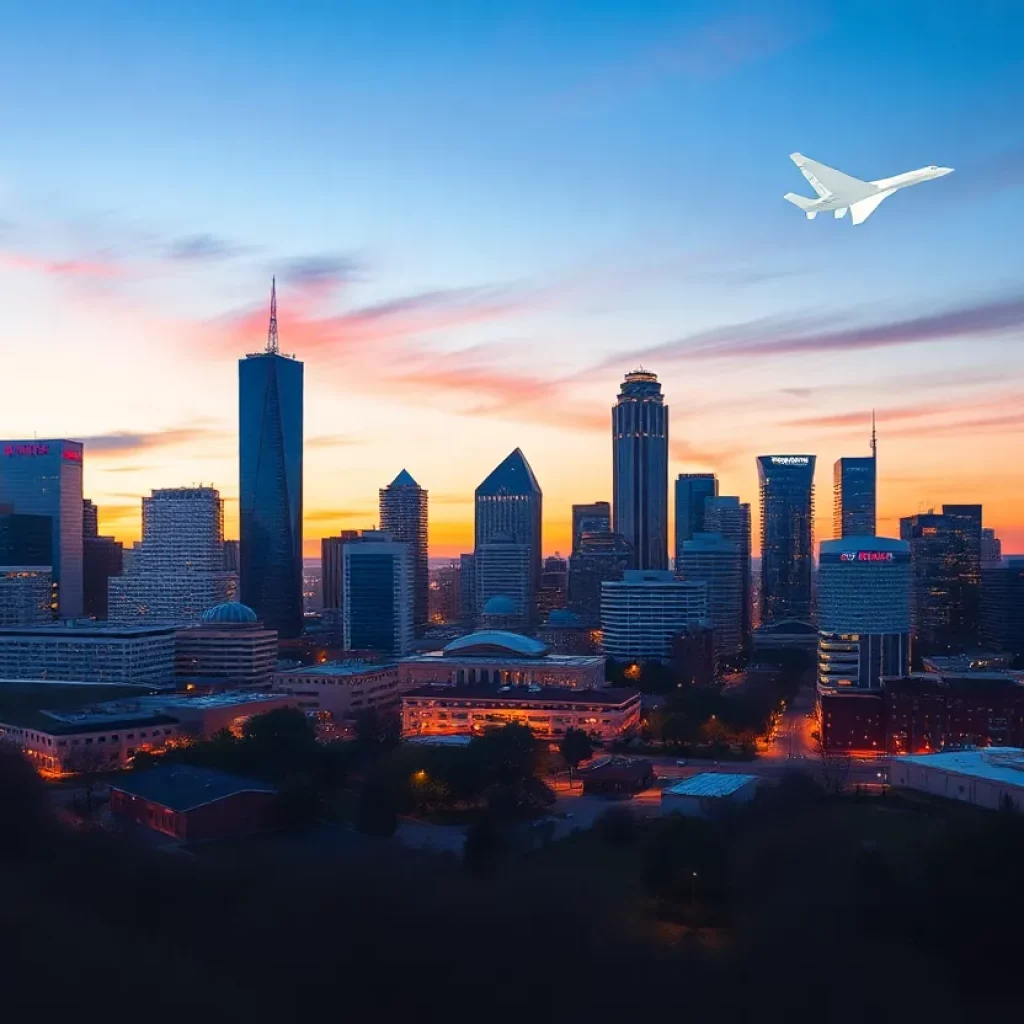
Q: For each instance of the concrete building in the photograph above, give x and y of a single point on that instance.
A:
(992, 778)
(710, 559)
(640, 469)
(343, 689)
(497, 658)
(863, 612)
(27, 595)
(378, 595)
(607, 715)
(45, 478)
(729, 517)
(643, 612)
(229, 648)
(504, 570)
(88, 652)
(403, 514)
(707, 794)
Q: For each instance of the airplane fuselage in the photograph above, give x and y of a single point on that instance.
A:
(848, 197)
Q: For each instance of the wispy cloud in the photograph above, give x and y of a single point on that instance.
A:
(85, 267)
(323, 270)
(331, 441)
(327, 515)
(200, 248)
(127, 442)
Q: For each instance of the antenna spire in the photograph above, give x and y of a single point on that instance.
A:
(874, 437)
(272, 343)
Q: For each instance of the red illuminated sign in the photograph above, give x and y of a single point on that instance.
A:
(10, 450)
(72, 456)
(866, 556)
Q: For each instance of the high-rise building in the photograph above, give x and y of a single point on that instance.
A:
(509, 503)
(945, 557)
(643, 612)
(27, 595)
(693, 491)
(270, 483)
(378, 592)
(854, 493)
(554, 585)
(602, 557)
(229, 647)
(25, 539)
(787, 536)
(640, 469)
(717, 562)
(332, 568)
(991, 547)
(445, 593)
(102, 557)
(863, 612)
(231, 556)
(403, 514)
(177, 571)
(730, 517)
(90, 519)
(44, 478)
(1002, 606)
(503, 571)
(593, 518)
(467, 588)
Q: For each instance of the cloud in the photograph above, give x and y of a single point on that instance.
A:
(331, 441)
(127, 442)
(368, 516)
(199, 248)
(320, 271)
(89, 267)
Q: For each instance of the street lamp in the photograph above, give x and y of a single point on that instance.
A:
(693, 888)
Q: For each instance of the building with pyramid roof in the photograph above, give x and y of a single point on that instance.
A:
(403, 514)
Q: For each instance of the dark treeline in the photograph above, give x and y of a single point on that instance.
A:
(815, 909)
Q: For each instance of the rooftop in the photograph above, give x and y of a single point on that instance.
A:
(67, 723)
(183, 788)
(997, 764)
(710, 784)
(404, 479)
(492, 642)
(440, 741)
(855, 544)
(83, 628)
(232, 613)
(339, 668)
(512, 476)
(554, 661)
(612, 696)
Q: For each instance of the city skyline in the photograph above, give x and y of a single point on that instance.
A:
(465, 307)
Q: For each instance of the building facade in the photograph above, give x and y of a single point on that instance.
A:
(229, 647)
(854, 486)
(403, 514)
(787, 536)
(717, 562)
(378, 595)
(641, 613)
(27, 595)
(693, 492)
(270, 423)
(504, 570)
(640, 469)
(730, 518)
(509, 504)
(863, 612)
(44, 478)
(102, 558)
(602, 557)
(595, 517)
(1002, 606)
(342, 689)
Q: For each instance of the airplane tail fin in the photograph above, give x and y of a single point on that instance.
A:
(803, 202)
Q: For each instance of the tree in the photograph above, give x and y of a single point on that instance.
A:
(576, 746)
(88, 764)
(377, 730)
(835, 764)
(377, 815)
(482, 848)
(24, 806)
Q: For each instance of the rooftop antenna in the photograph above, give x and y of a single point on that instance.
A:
(272, 343)
(874, 437)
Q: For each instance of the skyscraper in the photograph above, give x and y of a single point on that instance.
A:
(640, 469)
(854, 493)
(554, 585)
(693, 490)
(332, 568)
(965, 521)
(403, 514)
(45, 478)
(509, 503)
(991, 547)
(602, 557)
(378, 595)
(787, 536)
(593, 518)
(503, 570)
(467, 588)
(730, 517)
(1002, 606)
(102, 557)
(270, 483)
(715, 561)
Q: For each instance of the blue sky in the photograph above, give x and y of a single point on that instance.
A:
(493, 198)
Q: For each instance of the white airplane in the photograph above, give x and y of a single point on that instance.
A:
(839, 192)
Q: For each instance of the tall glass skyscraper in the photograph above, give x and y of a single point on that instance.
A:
(403, 514)
(692, 493)
(853, 499)
(730, 517)
(509, 503)
(593, 518)
(270, 483)
(45, 478)
(787, 536)
(640, 469)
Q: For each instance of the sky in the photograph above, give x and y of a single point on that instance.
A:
(482, 215)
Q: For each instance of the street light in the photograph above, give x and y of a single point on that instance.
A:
(693, 888)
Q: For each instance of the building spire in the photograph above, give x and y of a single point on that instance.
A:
(874, 437)
(272, 344)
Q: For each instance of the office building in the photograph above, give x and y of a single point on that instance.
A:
(445, 593)
(593, 518)
(640, 469)
(231, 556)
(554, 585)
(509, 505)
(945, 558)
(467, 588)
(102, 557)
(991, 547)
(693, 491)
(787, 536)
(642, 612)
(332, 569)
(602, 557)
(44, 478)
(90, 519)
(270, 389)
(27, 595)
(229, 648)
(88, 652)
(342, 689)
(854, 493)
(403, 514)
(566, 633)
(717, 562)
(25, 539)
(378, 595)
(608, 715)
(693, 656)
(729, 517)
(863, 614)
(1002, 606)
(177, 570)
(503, 570)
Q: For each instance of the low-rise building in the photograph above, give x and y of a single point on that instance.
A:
(618, 776)
(607, 714)
(708, 793)
(228, 648)
(341, 688)
(991, 778)
(203, 716)
(498, 658)
(193, 804)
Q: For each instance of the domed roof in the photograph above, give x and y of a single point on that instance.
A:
(230, 613)
(490, 643)
(563, 617)
(500, 604)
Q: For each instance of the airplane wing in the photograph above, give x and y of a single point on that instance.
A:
(859, 212)
(827, 180)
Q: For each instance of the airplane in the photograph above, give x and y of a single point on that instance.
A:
(839, 192)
